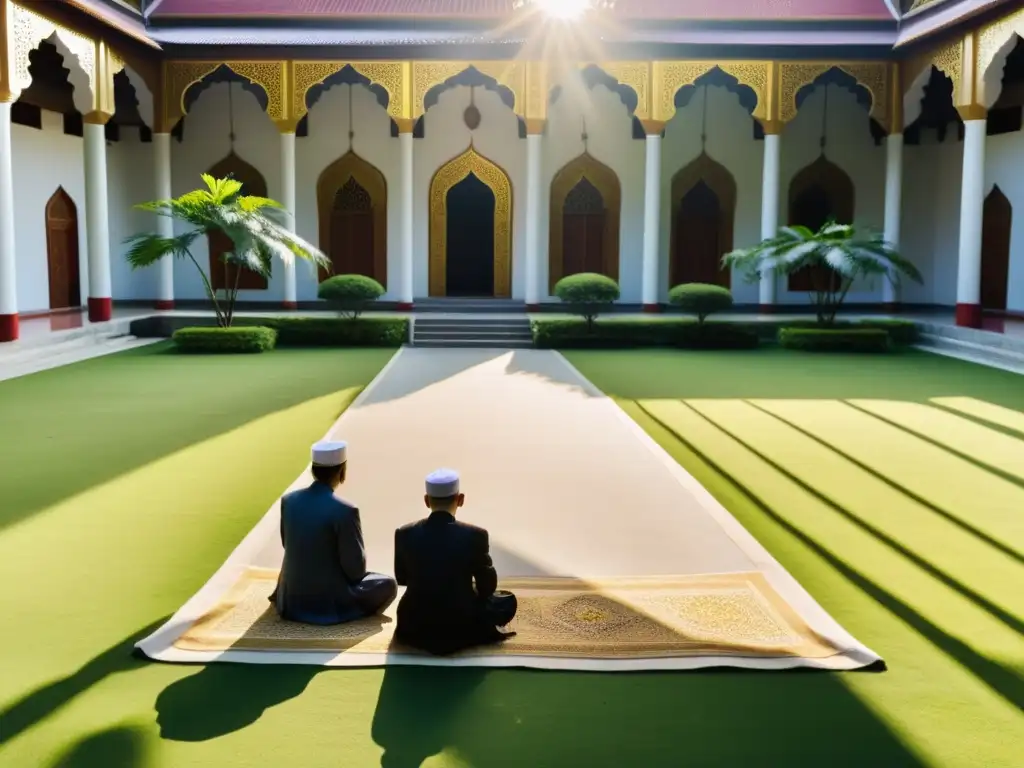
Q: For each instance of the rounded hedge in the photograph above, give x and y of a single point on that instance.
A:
(701, 299)
(350, 288)
(587, 288)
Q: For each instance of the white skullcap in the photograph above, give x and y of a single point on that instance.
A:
(442, 483)
(329, 453)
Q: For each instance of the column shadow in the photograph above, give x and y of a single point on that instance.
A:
(118, 747)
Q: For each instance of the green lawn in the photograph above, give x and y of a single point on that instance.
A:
(128, 479)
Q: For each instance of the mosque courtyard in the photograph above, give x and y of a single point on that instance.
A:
(890, 488)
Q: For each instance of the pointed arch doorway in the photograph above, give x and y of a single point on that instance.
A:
(62, 251)
(586, 200)
(997, 222)
(352, 199)
(703, 212)
(470, 229)
(822, 191)
(222, 274)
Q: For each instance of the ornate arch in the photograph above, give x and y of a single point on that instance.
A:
(508, 76)
(995, 42)
(390, 76)
(447, 176)
(671, 77)
(28, 29)
(253, 183)
(182, 76)
(721, 182)
(839, 190)
(607, 183)
(873, 76)
(335, 176)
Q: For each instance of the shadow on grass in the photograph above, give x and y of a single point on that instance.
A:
(1001, 680)
(117, 413)
(773, 373)
(44, 701)
(118, 747)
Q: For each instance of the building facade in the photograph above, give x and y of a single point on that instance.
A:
(479, 148)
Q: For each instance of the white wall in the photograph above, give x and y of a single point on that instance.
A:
(130, 182)
(44, 160)
(1004, 165)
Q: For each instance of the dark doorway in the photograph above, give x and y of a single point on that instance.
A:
(224, 276)
(812, 208)
(699, 246)
(469, 261)
(583, 215)
(352, 251)
(995, 250)
(62, 251)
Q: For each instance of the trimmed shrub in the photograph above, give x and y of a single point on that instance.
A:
(336, 332)
(716, 336)
(631, 334)
(901, 332)
(350, 294)
(588, 294)
(225, 341)
(701, 299)
(835, 339)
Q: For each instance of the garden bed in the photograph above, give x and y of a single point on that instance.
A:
(293, 331)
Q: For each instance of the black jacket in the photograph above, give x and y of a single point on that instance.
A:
(446, 568)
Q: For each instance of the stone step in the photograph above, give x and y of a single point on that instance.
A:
(460, 305)
(490, 327)
(976, 336)
(985, 354)
(472, 344)
(68, 353)
(17, 354)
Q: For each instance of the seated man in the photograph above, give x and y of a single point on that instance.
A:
(451, 602)
(323, 578)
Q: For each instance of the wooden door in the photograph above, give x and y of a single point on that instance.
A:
(583, 230)
(222, 276)
(62, 251)
(698, 242)
(995, 250)
(352, 231)
(813, 208)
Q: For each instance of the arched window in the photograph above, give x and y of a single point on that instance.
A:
(352, 196)
(703, 210)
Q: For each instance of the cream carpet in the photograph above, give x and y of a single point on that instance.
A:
(620, 558)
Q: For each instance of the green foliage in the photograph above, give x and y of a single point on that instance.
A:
(350, 294)
(902, 333)
(336, 332)
(836, 246)
(629, 334)
(588, 294)
(701, 299)
(835, 339)
(225, 341)
(247, 221)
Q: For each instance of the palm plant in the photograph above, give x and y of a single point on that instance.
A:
(835, 255)
(245, 220)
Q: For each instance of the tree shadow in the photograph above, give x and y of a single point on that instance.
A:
(118, 747)
(124, 411)
(42, 702)
(222, 698)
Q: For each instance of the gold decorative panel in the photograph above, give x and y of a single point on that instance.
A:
(427, 74)
(537, 90)
(499, 183)
(179, 76)
(635, 74)
(390, 75)
(872, 75)
(949, 60)
(994, 36)
(28, 29)
(670, 76)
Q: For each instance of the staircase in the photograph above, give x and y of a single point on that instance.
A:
(472, 332)
(21, 358)
(1008, 357)
(458, 305)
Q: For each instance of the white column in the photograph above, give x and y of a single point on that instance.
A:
(164, 224)
(533, 156)
(893, 200)
(288, 201)
(406, 200)
(8, 272)
(96, 218)
(770, 207)
(972, 204)
(652, 218)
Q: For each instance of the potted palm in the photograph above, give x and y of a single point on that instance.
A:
(248, 221)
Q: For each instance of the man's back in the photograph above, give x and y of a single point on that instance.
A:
(324, 557)
(446, 567)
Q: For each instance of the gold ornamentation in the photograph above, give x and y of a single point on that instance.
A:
(875, 77)
(497, 180)
(537, 90)
(670, 76)
(994, 36)
(387, 74)
(269, 75)
(635, 74)
(585, 166)
(793, 77)
(427, 74)
(872, 75)
(949, 60)
(28, 29)
(735, 614)
(335, 176)
(179, 76)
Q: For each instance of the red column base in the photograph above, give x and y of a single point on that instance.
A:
(8, 328)
(968, 315)
(164, 304)
(533, 307)
(405, 306)
(652, 308)
(766, 309)
(100, 310)
(290, 304)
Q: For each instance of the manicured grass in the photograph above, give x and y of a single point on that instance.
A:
(132, 477)
(916, 546)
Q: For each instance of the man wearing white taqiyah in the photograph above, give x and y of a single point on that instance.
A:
(324, 578)
(451, 601)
